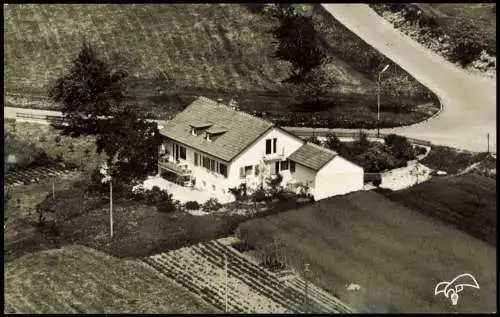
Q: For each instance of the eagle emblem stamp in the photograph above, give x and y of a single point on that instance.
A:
(451, 289)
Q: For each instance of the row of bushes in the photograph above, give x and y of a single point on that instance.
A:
(374, 157)
(272, 190)
(210, 205)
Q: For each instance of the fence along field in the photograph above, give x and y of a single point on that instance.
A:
(195, 45)
(251, 288)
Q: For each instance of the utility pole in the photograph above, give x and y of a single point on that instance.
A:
(226, 277)
(306, 286)
(111, 208)
(108, 178)
(378, 100)
(488, 140)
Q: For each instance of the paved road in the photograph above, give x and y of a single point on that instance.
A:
(469, 102)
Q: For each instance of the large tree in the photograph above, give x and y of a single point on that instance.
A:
(93, 98)
(298, 42)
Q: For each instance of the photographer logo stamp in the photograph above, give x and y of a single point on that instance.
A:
(454, 287)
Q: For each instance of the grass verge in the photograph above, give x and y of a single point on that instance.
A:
(451, 160)
(467, 202)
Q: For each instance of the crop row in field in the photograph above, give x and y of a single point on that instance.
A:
(251, 288)
(31, 175)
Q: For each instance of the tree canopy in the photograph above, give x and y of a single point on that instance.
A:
(298, 42)
(93, 98)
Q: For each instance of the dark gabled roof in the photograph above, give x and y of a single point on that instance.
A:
(312, 156)
(242, 129)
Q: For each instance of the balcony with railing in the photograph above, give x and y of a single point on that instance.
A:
(179, 168)
(274, 157)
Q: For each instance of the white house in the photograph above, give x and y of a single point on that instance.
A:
(214, 147)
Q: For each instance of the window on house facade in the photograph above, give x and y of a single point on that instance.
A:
(256, 170)
(212, 165)
(206, 162)
(182, 152)
(268, 146)
(284, 165)
(277, 167)
(275, 141)
(223, 169)
(292, 167)
(246, 171)
(195, 159)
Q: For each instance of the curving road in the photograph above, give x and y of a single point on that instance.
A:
(469, 102)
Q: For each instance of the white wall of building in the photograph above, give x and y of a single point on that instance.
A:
(304, 175)
(210, 182)
(286, 145)
(338, 177)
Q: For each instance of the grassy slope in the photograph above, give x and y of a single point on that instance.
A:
(451, 160)
(467, 202)
(396, 254)
(480, 13)
(199, 45)
(76, 279)
(197, 49)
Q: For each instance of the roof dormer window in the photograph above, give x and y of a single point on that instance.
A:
(215, 132)
(197, 127)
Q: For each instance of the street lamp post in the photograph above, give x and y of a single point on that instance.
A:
(378, 99)
(107, 178)
(488, 140)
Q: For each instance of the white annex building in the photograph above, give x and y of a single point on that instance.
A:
(213, 147)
